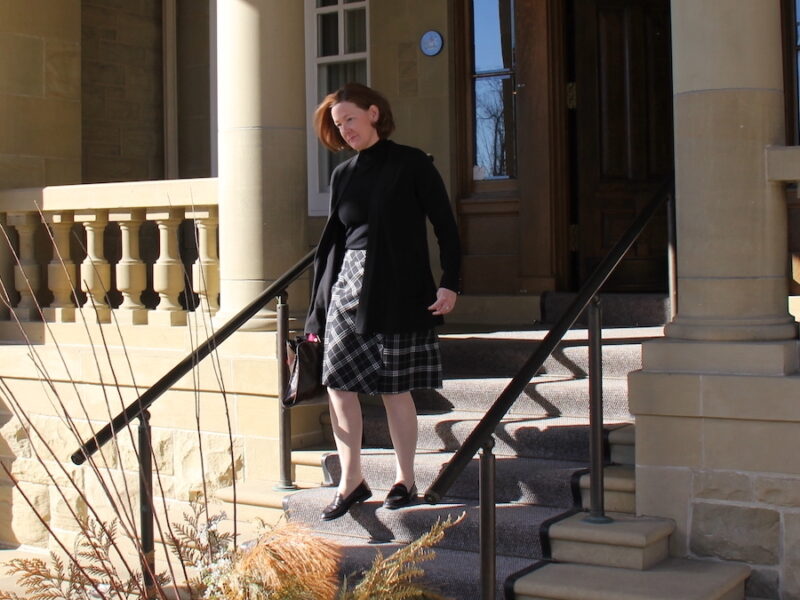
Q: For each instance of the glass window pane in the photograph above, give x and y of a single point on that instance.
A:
(495, 153)
(351, 1)
(355, 30)
(797, 19)
(330, 78)
(493, 31)
(321, 3)
(328, 34)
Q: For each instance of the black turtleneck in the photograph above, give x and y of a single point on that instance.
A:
(353, 210)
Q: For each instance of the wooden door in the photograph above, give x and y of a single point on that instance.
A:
(623, 134)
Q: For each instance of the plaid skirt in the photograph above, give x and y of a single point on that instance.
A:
(373, 363)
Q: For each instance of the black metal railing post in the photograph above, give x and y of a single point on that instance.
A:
(285, 434)
(672, 256)
(597, 455)
(488, 535)
(146, 506)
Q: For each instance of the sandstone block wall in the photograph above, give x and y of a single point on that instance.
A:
(39, 93)
(122, 89)
(220, 422)
(752, 518)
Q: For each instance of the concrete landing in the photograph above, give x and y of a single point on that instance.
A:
(672, 579)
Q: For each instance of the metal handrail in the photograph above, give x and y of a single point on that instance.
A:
(138, 410)
(486, 427)
(143, 402)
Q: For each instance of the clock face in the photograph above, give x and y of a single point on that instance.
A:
(431, 43)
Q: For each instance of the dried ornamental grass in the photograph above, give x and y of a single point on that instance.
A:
(287, 562)
(394, 577)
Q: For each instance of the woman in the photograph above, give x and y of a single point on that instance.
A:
(374, 301)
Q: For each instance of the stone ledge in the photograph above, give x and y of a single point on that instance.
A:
(671, 579)
(748, 358)
(627, 542)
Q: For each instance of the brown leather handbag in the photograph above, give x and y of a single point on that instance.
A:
(305, 368)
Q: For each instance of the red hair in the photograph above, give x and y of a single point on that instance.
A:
(363, 97)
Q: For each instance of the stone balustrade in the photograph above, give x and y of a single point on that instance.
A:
(146, 251)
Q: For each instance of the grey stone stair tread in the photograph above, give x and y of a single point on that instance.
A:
(547, 395)
(619, 309)
(670, 579)
(453, 573)
(517, 524)
(539, 437)
(482, 356)
(540, 481)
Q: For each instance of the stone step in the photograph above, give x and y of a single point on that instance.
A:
(619, 483)
(622, 444)
(531, 480)
(564, 438)
(671, 579)
(453, 573)
(618, 309)
(517, 523)
(502, 353)
(545, 395)
(626, 542)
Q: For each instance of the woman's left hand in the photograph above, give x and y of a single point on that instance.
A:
(445, 302)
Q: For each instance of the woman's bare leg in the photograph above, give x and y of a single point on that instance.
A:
(347, 430)
(402, 416)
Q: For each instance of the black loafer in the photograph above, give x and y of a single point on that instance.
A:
(400, 496)
(341, 504)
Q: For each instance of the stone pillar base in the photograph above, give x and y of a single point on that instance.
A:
(715, 453)
(743, 358)
(773, 328)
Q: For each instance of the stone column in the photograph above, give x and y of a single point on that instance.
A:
(731, 221)
(261, 148)
(716, 399)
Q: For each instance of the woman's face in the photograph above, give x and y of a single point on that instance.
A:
(356, 125)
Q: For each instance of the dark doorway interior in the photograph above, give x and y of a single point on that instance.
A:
(621, 134)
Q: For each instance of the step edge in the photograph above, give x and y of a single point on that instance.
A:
(624, 530)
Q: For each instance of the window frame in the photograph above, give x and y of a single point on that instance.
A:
(318, 201)
(464, 67)
(791, 50)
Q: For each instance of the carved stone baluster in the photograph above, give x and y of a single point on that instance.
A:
(205, 271)
(61, 270)
(26, 270)
(130, 270)
(168, 279)
(95, 270)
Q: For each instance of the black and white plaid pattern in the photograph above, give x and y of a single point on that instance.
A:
(373, 363)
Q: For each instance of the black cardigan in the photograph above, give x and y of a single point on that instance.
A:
(398, 284)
